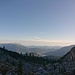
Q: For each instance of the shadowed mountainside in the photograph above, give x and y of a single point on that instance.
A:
(70, 56)
(60, 52)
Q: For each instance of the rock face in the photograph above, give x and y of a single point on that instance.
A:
(70, 56)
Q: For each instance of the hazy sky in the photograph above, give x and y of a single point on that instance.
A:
(37, 22)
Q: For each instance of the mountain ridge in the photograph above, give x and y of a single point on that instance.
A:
(60, 52)
(70, 56)
(23, 49)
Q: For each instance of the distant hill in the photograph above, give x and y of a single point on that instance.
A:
(45, 47)
(21, 48)
(60, 52)
(15, 47)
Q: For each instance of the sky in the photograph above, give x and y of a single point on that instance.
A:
(37, 22)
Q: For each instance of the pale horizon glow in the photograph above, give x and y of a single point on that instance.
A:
(40, 42)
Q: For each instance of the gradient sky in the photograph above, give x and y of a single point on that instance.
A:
(37, 22)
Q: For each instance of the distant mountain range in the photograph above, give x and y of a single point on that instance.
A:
(23, 49)
(41, 50)
(60, 52)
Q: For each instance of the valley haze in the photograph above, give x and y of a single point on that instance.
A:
(41, 50)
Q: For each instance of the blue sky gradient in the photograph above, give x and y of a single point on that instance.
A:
(43, 20)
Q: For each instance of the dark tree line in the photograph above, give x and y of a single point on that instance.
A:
(27, 57)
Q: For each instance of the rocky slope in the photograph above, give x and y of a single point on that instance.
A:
(70, 56)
